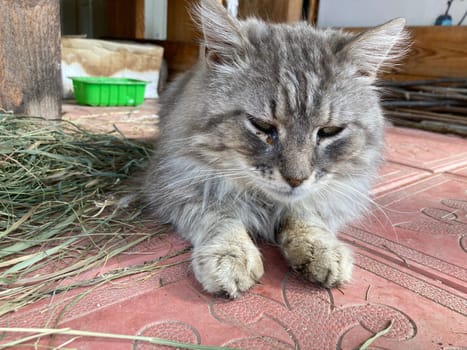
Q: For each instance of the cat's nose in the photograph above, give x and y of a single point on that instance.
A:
(294, 182)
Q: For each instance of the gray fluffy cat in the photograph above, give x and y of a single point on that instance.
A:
(276, 134)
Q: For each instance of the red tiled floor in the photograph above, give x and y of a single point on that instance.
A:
(425, 150)
(410, 268)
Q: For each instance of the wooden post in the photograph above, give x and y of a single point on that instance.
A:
(273, 11)
(313, 10)
(126, 19)
(30, 80)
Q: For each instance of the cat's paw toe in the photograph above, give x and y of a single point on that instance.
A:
(330, 265)
(230, 271)
(321, 259)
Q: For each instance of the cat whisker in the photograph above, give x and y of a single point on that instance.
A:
(217, 170)
(371, 212)
(352, 200)
(350, 176)
(183, 139)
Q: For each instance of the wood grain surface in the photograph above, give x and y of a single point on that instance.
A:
(273, 11)
(435, 52)
(30, 57)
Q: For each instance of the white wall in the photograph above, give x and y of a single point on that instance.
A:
(155, 19)
(363, 13)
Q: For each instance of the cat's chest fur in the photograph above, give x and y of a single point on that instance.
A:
(260, 215)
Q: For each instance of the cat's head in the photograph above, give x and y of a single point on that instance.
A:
(294, 107)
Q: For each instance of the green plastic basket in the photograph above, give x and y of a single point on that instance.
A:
(104, 91)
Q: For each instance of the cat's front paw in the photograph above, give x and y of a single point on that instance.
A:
(229, 267)
(318, 255)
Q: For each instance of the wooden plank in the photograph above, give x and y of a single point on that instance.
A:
(313, 11)
(139, 20)
(30, 81)
(180, 26)
(273, 11)
(126, 19)
(294, 11)
(436, 51)
(121, 19)
(180, 57)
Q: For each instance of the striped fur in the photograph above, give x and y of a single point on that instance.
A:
(242, 154)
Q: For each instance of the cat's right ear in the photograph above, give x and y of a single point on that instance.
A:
(375, 49)
(222, 39)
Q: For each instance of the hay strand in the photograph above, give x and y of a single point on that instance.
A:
(372, 339)
(41, 332)
(61, 190)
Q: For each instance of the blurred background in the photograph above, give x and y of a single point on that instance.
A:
(95, 18)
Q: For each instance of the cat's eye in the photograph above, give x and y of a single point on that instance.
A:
(265, 128)
(329, 131)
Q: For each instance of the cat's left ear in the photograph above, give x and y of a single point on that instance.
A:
(222, 38)
(377, 48)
